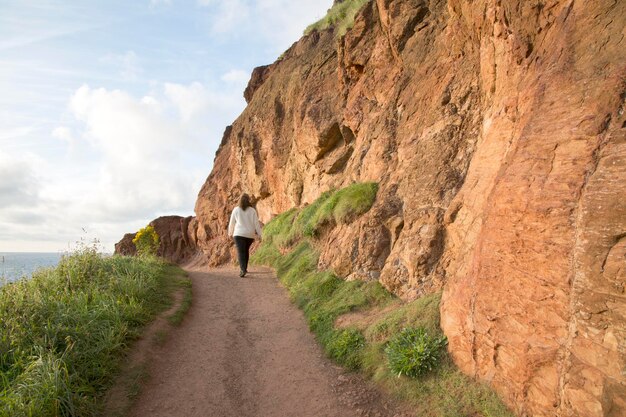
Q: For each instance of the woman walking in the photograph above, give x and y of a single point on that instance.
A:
(243, 225)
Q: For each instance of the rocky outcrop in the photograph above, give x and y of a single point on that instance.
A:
(126, 246)
(177, 240)
(259, 74)
(496, 131)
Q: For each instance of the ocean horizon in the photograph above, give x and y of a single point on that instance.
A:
(16, 265)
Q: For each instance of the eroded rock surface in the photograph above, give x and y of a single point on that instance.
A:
(177, 238)
(496, 130)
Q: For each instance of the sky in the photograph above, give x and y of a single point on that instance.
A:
(111, 110)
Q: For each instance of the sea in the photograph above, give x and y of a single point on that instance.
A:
(16, 265)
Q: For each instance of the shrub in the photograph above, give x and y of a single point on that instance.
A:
(413, 352)
(146, 241)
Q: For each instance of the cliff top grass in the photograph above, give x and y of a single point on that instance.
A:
(341, 17)
(289, 246)
(64, 329)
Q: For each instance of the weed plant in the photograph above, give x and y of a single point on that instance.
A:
(413, 352)
(341, 17)
(288, 246)
(63, 330)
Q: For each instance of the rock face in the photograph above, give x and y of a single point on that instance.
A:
(126, 246)
(176, 236)
(496, 131)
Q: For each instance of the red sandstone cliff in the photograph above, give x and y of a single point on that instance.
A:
(176, 239)
(496, 130)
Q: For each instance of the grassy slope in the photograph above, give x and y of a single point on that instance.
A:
(289, 246)
(340, 17)
(64, 330)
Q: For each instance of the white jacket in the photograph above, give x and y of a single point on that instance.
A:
(244, 223)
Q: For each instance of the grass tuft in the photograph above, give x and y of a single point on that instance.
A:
(412, 352)
(341, 17)
(345, 346)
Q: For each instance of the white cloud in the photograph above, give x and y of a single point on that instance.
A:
(194, 101)
(140, 148)
(17, 132)
(18, 183)
(64, 134)
(236, 76)
(128, 159)
(189, 100)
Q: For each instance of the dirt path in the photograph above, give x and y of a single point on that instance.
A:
(244, 350)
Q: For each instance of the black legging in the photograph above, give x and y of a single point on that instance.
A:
(243, 251)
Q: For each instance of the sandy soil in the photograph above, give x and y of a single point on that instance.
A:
(244, 350)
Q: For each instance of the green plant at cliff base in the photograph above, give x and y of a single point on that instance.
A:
(412, 352)
(340, 16)
(146, 241)
(289, 245)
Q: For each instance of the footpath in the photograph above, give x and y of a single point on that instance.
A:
(243, 350)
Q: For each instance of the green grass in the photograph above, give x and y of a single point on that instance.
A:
(330, 209)
(340, 17)
(288, 245)
(423, 312)
(177, 317)
(346, 346)
(413, 352)
(64, 329)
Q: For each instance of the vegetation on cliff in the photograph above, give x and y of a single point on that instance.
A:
(363, 326)
(64, 329)
(340, 17)
(146, 241)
